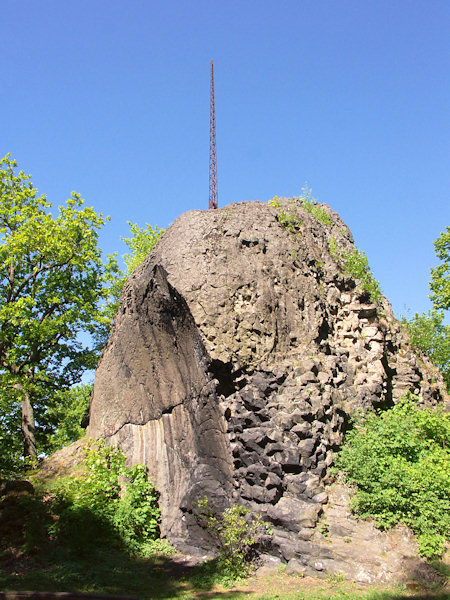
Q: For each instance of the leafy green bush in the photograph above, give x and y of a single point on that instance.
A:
(399, 462)
(356, 265)
(105, 502)
(123, 498)
(235, 531)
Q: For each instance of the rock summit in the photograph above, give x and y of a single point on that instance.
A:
(240, 352)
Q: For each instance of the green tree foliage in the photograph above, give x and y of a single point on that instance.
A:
(428, 332)
(64, 416)
(11, 445)
(440, 275)
(141, 243)
(52, 280)
(399, 462)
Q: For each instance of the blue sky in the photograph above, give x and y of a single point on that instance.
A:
(111, 98)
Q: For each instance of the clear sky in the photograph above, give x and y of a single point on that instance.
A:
(111, 98)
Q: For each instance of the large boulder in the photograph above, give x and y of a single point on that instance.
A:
(156, 400)
(238, 355)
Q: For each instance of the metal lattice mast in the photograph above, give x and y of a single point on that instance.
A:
(213, 195)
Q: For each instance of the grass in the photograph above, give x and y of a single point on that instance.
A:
(105, 570)
(91, 561)
(110, 571)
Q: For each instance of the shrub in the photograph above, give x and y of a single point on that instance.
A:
(356, 265)
(235, 531)
(399, 462)
(109, 496)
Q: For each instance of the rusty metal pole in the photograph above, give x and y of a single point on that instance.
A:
(213, 194)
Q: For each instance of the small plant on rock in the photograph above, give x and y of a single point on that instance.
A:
(356, 265)
(235, 532)
(333, 248)
(311, 206)
(324, 529)
(274, 202)
(289, 221)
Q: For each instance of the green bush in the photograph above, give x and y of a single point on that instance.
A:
(235, 532)
(357, 266)
(399, 463)
(114, 503)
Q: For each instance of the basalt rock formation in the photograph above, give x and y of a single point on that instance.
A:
(237, 358)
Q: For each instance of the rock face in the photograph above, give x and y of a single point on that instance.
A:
(155, 399)
(238, 355)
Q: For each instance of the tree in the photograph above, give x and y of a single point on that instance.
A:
(427, 331)
(440, 275)
(64, 417)
(429, 335)
(141, 243)
(52, 281)
(10, 434)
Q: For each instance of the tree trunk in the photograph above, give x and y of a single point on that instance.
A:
(29, 440)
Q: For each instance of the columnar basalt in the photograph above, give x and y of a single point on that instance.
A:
(238, 356)
(154, 398)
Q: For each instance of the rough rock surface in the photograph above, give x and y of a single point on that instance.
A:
(239, 352)
(155, 399)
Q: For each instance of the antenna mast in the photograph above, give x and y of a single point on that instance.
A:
(213, 195)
